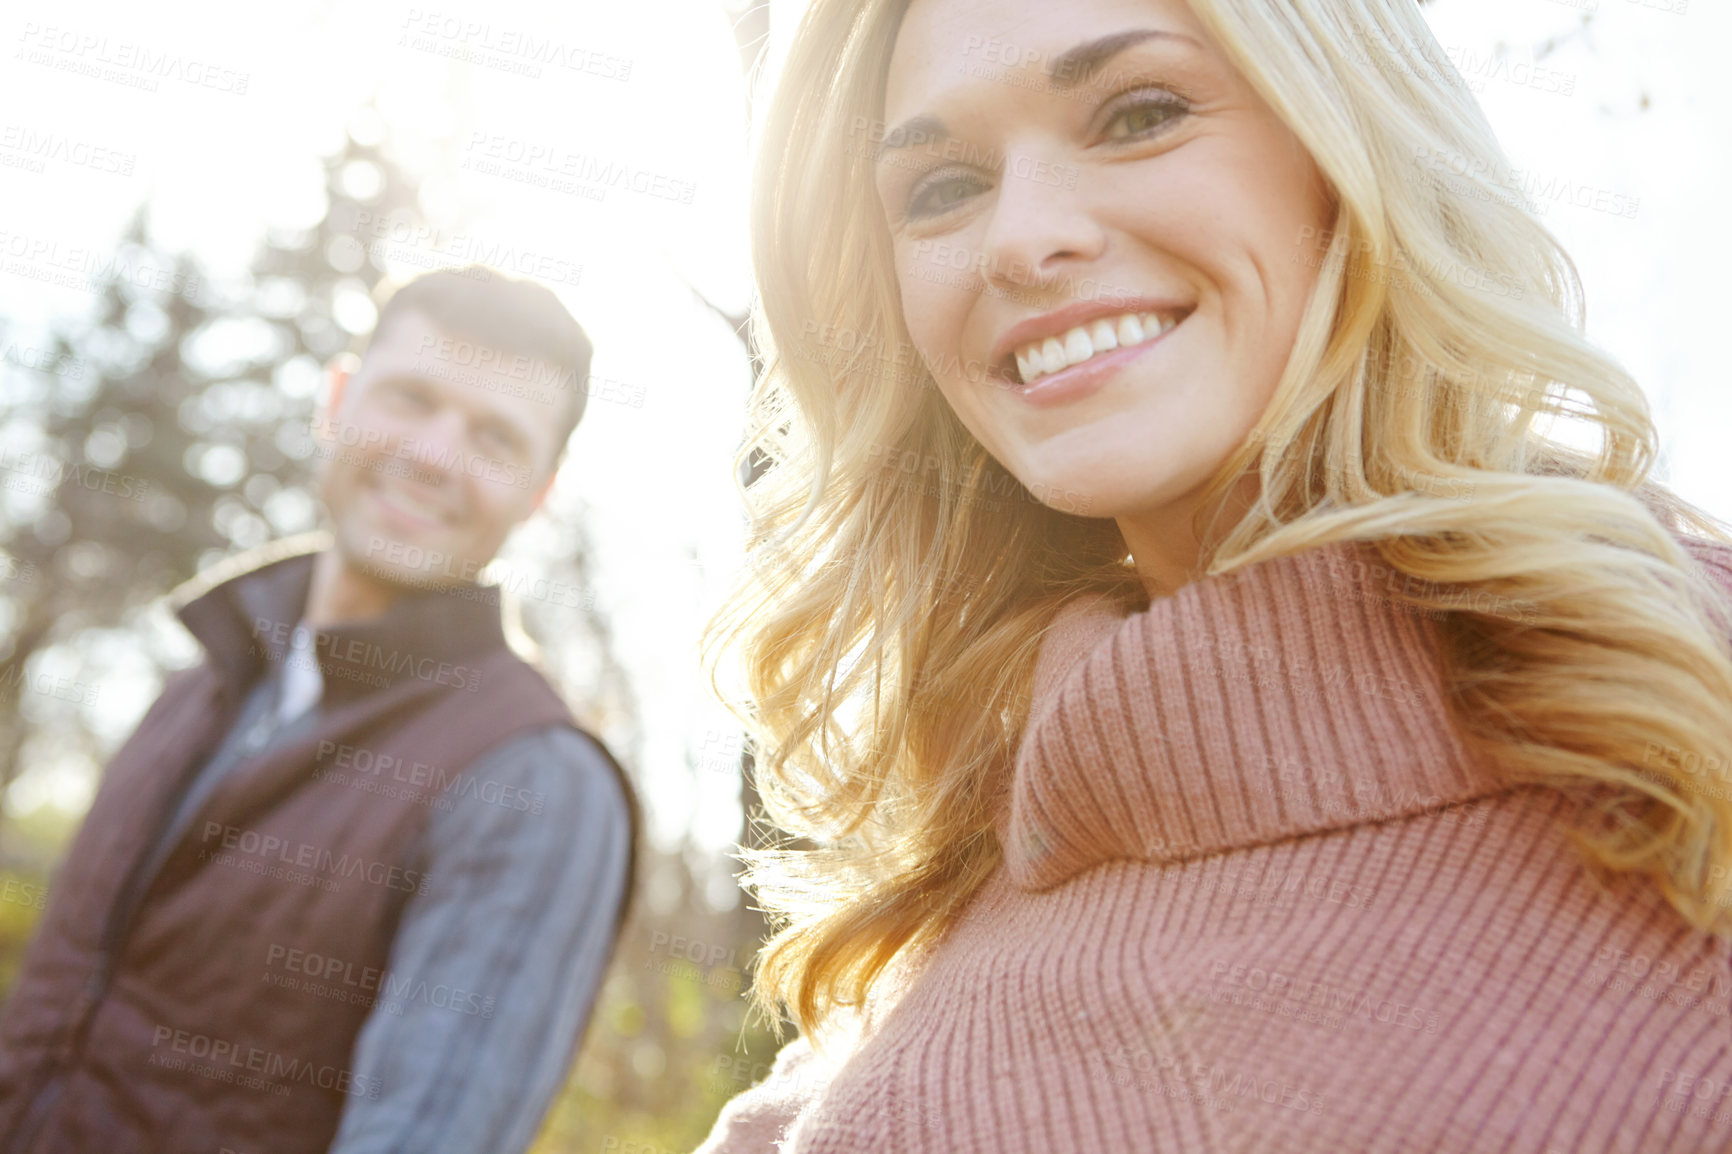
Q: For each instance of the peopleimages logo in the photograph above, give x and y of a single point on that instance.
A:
(41, 474)
(420, 452)
(344, 655)
(403, 235)
(79, 267)
(551, 165)
(304, 855)
(1338, 1000)
(365, 764)
(40, 147)
(225, 1061)
(138, 65)
(499, 45)
(325, 975)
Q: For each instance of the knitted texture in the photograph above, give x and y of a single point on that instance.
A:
(1257, 895)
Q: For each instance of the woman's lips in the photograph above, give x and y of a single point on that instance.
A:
(1085, 379)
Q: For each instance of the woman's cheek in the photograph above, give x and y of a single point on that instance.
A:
(927, 317)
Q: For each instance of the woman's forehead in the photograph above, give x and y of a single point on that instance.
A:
(942, 44)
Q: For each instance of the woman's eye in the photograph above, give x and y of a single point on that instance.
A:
(933, 198)
(1143, 118)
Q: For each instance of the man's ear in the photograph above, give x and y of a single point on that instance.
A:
(339, 371)
(546, 488)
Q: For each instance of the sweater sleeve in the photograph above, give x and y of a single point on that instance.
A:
(766, 1118)
(1716, 562)
(494, 970)
(758, 1120)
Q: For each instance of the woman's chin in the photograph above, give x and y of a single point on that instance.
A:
(1109, 489)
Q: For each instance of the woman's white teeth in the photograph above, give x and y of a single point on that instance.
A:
(1041, 358)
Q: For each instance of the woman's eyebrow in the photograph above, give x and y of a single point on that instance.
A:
(1067, 71)
(1079, 63)
(916, 130)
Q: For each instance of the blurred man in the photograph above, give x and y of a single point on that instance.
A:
(353, 882)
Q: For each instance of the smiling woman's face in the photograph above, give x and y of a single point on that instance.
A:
(1095, 223)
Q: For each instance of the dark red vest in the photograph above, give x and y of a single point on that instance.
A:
(144, 1018)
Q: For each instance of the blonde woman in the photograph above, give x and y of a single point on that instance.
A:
(1212, 705)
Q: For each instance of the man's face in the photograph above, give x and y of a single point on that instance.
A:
(434, 450)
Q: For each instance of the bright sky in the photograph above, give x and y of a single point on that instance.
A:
(657, 89)
(229, 139)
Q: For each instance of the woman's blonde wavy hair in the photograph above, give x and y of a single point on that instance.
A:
(900, 580)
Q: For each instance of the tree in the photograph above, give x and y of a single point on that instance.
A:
(183, 437)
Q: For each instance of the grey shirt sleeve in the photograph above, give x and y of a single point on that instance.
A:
(495, 968)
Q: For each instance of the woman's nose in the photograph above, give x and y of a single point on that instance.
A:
(1040, 222)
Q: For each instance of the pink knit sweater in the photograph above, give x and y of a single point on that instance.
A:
(1256, 896)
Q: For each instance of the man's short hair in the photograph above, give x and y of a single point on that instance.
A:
(483, 305)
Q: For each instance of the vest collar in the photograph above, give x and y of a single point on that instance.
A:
(1292, 697)
(244, 612)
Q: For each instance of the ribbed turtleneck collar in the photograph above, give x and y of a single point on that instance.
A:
(1289, 698)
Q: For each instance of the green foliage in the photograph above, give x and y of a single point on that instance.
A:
(22, 899)
(658, 1062)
